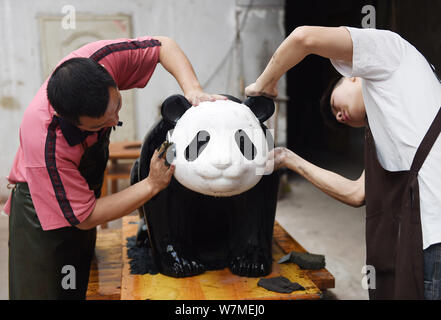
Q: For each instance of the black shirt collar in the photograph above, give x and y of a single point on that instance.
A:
(71, 133)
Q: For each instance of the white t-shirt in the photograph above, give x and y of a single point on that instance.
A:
(402, 97)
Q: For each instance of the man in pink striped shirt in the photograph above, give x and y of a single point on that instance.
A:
(58, 169)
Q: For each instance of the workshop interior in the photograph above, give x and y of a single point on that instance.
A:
(223, 226)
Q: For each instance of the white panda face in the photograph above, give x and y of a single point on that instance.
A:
(220, 148)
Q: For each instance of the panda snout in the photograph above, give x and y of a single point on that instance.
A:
(208, 172)
(220, 161)
(221, 165)
(220, 170)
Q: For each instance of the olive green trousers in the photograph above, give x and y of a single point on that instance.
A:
(53, 264)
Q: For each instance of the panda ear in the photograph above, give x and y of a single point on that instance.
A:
(174, 107)
(262, 107)
(231, 98)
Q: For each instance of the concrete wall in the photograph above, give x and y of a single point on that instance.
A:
(205, 29)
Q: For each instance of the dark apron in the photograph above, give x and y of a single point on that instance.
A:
(37, 257)
(94, 162)
(393, 225)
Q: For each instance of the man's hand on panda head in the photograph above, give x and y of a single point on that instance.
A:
(255, 89)
(160, 173)
(197, 96)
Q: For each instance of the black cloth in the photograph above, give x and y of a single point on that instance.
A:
(305, 260)
(279, 284)
(139, 252)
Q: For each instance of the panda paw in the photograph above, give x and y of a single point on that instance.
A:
(251, 266)
(176, 266)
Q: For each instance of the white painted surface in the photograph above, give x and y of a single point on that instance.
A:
(220, 169)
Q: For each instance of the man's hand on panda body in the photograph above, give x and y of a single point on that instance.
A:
(122, 203)
(160, 173)
(350, 192)
(276, 159)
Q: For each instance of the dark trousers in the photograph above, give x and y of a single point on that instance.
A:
(432, 272)
(51, 264)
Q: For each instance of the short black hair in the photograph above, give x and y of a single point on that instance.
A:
(79, 87)
(325, 104)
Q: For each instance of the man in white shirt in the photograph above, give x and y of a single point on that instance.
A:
(390, 87)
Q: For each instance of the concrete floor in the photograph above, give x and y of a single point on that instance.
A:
(320, 224)
(325, 226)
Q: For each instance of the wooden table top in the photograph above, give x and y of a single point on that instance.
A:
(105, 271)
(124, 150)
(110, 276)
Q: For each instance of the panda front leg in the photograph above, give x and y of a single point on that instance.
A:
(174, 265)
(252, 254)
(170, 227)
(252, 263)
(170, 256)
(253, 224)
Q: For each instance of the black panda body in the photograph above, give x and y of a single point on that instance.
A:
(191, 232)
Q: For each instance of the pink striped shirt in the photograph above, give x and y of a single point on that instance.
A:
(131, 63)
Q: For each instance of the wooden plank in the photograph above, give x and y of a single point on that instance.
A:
(105, 273)
(218, 285)
(322, 278)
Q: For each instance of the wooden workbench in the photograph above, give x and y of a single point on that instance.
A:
(110, 276)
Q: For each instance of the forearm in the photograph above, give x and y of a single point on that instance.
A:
(119, 204)
(345, 190)
(332, 43)
(288, 54)
(174, 60)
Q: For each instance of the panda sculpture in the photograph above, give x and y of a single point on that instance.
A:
(219, 209)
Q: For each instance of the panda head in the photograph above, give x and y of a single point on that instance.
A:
(220, 146)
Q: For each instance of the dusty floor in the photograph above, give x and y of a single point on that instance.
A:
(324, 226)
(316, 221)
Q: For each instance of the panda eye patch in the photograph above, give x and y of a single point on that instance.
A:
(197, 145)
(245, 145)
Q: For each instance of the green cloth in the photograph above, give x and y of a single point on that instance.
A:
(37, 257)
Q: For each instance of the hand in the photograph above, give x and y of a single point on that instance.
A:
(197, 96)
(277, 159)
(160, 174)
(255, 89)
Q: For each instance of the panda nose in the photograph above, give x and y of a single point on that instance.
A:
(221, 166)
(221, 160)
